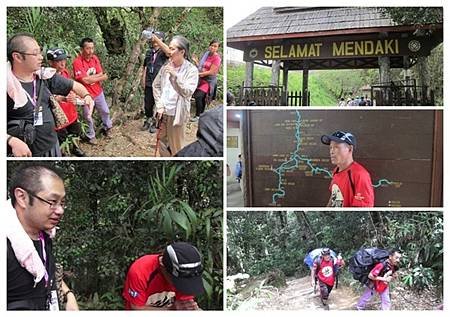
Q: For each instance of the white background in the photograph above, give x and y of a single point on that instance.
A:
(234, 10)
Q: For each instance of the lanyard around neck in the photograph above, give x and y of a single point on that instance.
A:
(44, 256)
(33, 99)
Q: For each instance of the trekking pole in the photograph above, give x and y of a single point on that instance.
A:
(315, 286)
(337, 280)
(158, 136)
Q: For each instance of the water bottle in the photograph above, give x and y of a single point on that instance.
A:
(147, 34)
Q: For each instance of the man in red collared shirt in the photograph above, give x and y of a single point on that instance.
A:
(351, 185)
(88, 70)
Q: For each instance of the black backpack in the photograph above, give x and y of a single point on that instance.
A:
(364, 260)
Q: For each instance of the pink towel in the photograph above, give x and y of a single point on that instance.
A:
(23, 246)
(14, 88)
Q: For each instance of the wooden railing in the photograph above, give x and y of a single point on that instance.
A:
(402, 93)
(269, 96)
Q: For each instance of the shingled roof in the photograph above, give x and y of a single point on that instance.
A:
(289, 20)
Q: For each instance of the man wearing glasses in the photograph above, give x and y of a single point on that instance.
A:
(38, 199)
(351, 185)
(31, 127)
(166, 281)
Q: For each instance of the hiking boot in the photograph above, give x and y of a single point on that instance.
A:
(107, 132)
(78, 152)
(92, 141)
(146, 125)
(194, 119)
(152, 126)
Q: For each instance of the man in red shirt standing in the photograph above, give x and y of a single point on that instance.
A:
(381, 276)
(57, 58)
(351, 185)
(165, 281)
(324, 269)
(88, 70)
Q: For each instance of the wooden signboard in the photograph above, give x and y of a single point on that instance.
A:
(332, 48)
(287, 165)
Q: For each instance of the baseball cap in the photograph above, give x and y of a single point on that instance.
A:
(57, 54)
(182, 262)
(339, 137)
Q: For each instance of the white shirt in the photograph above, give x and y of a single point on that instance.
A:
(169, 97)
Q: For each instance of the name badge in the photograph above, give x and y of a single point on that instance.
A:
(38, 118)
(53, 305)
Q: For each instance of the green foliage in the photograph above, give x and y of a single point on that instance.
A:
(118, 211)
(260, 242)
(325, 86)
(417, 16)
(66, 26)
(420, 278)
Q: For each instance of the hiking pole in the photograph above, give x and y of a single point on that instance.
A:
(337, 280)
(315, 286)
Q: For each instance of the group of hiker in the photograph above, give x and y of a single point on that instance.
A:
(375, 268)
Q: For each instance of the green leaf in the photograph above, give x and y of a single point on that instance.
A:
(167, 222)
(181, 220)
(189, 212)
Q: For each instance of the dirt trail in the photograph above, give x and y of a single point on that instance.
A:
(298, 295)
(128, 140)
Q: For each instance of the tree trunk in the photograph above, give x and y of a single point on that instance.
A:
(113, 32)
(302, 220)
(134, 88)
(118, 95)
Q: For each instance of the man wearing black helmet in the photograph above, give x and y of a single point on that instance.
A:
(167, 281)
(351, 185)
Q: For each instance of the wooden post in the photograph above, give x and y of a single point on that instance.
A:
(249, 66)
(423, 72)
(424, 78)
(285, 84)
(305, 83)
(275, 73)
(385, 78)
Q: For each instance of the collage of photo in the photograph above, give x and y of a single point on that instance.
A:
(183, 158)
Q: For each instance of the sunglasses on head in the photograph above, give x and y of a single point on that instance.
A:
(344, 136)
(52, 54)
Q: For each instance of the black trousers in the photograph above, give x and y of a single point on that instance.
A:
(200, 102)
(74, 128)
(325, 290)
(149, 102)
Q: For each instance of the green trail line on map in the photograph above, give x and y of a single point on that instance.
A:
(296, 158)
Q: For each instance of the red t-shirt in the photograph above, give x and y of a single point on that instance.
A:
(325, 271)
(83, 68)
(352, 187)
(210, 60)
(157, 292)
(69, 108)
(379, 286)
